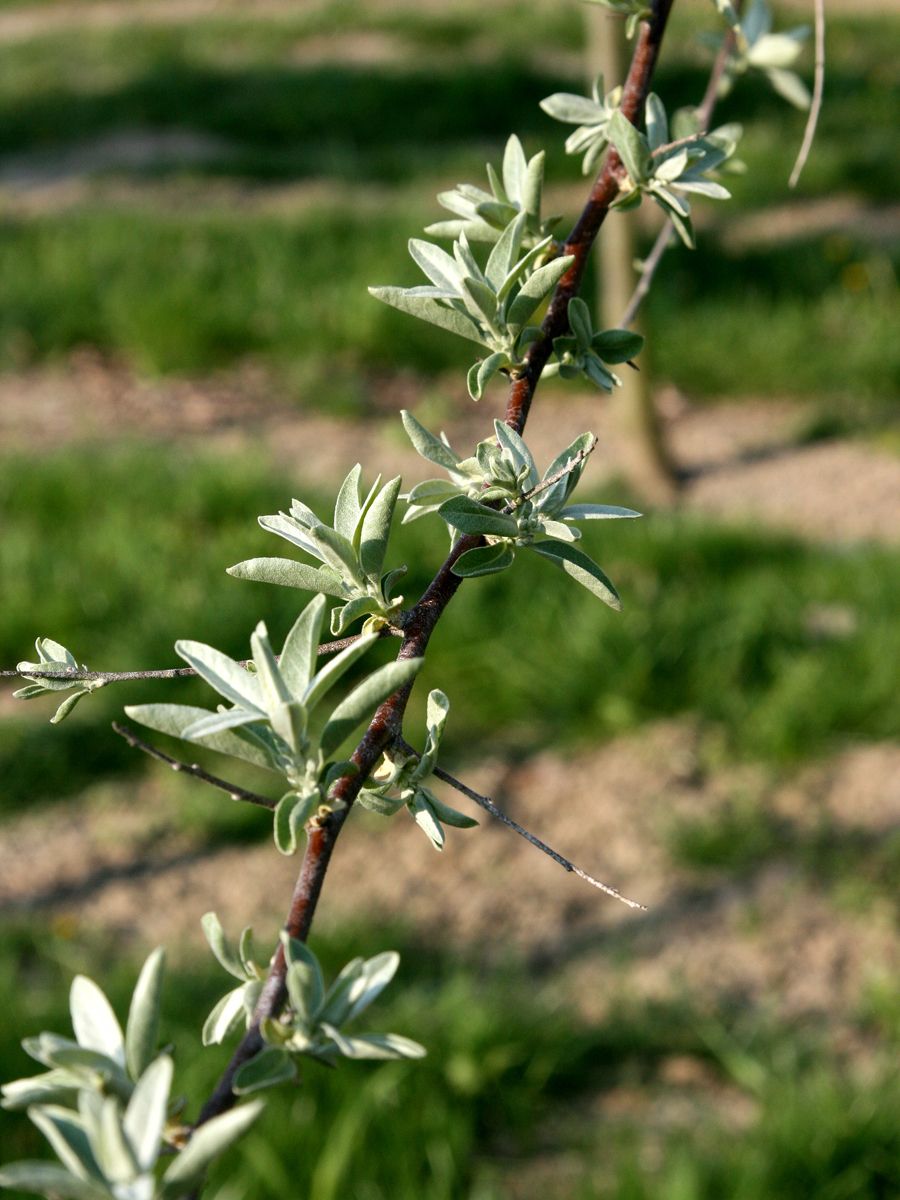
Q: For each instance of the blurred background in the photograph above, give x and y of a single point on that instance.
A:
(194, 196)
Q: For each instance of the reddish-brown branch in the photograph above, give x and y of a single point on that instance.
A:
(419, 625)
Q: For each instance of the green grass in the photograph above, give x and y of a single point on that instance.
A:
(511, 1080)
(195, 289)
(717, 622)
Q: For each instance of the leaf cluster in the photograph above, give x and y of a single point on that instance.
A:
(399, 781)
(668, 171)
(351, 553)
(311, 1022)
(490, 306)
(516, 188)
(757, 47)
(272, 716)
(588, 353)
(104, 1105)
(54, 657)
(592, 116)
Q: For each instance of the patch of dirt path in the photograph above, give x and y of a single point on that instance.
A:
(739, 457)
(774, 936)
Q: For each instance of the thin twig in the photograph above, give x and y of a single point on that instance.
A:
(704, 115)
(488, 805)
(235, 792)
(815, 107)
(83, 675)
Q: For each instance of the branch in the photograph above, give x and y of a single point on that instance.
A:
(235, 792)
(818, 88)
(79, 675)
(385, 726)
(581, 239)
(489, 806)
(704, 114)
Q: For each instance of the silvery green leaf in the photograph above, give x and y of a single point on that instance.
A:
(498, 191)
(536, 288)
(346, 506)
(437, 264)
(483, 372)
(342, 618)
(374, 976)
(50, 651)
(532, 186)
(226, 1016)
(220, 722)
(476, 230)
(53, 1087)
(429, 310)
(383, 806)
(364, 699)
(388, 581)
(337, 552)
(29, 692)
(306, 988)
(173, 719)
(657, 125)
(206, 1144)
(376, 528)
(598, 374)
(481, 301)
(790, 86)
(221, 946)
(94, 1021)
(596, 512)
(338, 1001)
(505, 252)
(580, 322)
(514, 168)
(274, 690)
(374, 1046)
(222, 673)
(285, 572)
(631, 145)
(756, 19)
(669, 168)
(704, 187)
(267, 1069)
(427, 444)
(560, 531)
(289, 722)
(432, 491)
(450, 816)
(468, 264)
(678, 212)
(145, 1116)
(299, 656)
(67, 705)
(291, 814)
(142, 1028)
(775, 50)
(557, 494)
(423, 814)
(437, 709)
(334, 670)
(91, 1065)
(617, 345)
(114, 1153)
(581, 568)
(468, 516)
(522, 269)
(68, 1138)
(484, 560)
(291, 530)
(303, 515)
(49, 1179)
(515, 447)
(46, 683)
(497, 214)
(572, 109)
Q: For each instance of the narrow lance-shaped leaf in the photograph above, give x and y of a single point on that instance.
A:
(206, 1144)
(142, 1029)
(364, 699)
(376, 529)
(300, 653)
(429, 310)
(94, 1021)
(581, 567)
(285, 572)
